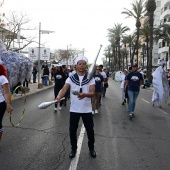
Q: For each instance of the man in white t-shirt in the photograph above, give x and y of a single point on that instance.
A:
(80, 104)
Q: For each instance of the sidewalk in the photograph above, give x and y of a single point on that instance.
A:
(33, 90)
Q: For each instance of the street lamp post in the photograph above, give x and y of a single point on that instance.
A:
(40, 85)
(151, 7)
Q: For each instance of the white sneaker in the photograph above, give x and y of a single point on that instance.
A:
(59, 108)
(96, 111)
(92, 112)
(55, 109)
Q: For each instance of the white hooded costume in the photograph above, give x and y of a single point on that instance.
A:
(160, 84)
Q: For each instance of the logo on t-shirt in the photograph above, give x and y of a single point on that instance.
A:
(97, 79)
(135, 78)
(58, 77)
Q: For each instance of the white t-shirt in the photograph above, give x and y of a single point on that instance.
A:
(3, 80)
(83, 105)
(123, 81)
(103, 74)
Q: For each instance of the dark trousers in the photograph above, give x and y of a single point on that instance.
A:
(88, 124)
(25, 83)
(2, 111)
(56, 91)
(34, 78)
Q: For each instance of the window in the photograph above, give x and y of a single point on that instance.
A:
(158, 4)
(163, 44)
(155, 60)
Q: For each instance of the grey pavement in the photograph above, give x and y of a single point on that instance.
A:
(33, 90)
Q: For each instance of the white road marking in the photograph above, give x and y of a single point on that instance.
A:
(145, 101)
(157, 108)
(74, 162)
(162, 111)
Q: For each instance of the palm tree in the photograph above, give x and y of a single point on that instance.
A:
(144, 34)
(130, 44)
(138, 9)
(114, 57)
(117, 32)
(125, 52)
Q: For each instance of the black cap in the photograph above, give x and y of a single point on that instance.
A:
(134, 65)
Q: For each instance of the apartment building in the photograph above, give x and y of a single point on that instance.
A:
(163, 51)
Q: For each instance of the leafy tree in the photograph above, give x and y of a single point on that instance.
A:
(15, 23)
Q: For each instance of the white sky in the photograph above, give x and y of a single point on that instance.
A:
(81, 23)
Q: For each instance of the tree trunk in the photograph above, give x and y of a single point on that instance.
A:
(119, 54)
(150, 46)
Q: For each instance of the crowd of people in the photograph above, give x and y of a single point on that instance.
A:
(86, 102)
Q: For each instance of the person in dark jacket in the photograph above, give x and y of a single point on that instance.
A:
(46, 75)
(60, 78)
(34, 72)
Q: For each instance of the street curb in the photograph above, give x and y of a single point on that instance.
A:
(31, 94)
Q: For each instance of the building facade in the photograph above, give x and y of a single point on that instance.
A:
(163, 51)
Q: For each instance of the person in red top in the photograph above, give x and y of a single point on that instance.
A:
(4, 87)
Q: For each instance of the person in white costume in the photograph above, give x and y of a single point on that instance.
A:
(160, 84)
(80, 104)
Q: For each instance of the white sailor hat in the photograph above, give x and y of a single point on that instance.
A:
(59, 65)
(80, 58)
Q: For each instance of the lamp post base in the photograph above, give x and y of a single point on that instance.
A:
(40, 85)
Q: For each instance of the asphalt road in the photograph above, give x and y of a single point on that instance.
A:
(41, 142)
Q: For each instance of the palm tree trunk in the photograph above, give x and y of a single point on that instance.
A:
(150, 46)
(147, 55)
(119, 55)
(137, 42)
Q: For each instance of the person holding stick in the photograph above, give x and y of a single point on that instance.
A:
(80, 104)
(4, 87)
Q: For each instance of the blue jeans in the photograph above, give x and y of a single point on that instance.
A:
(132, 100)
(45, 80)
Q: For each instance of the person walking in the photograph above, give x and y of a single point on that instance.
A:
(98, 89)
(59, 78)
(68, 91)
(52, 72)
(122, 86)
(80, 104)
(133, 80)
(4, 104)
(106, 85)
(34, 72)
(42, 74)
(46, 75)
(104, 80)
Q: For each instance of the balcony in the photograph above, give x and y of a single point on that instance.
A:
(163, 50)
(165, 14)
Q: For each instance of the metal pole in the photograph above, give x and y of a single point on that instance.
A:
(39, 54)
